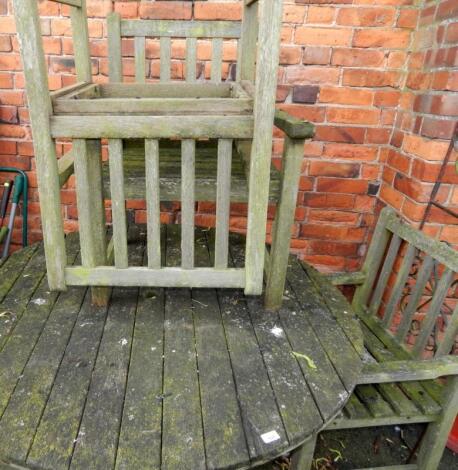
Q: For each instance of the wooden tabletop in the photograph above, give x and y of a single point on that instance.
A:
(167, 378)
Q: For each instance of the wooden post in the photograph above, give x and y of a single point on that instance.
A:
(91, 210)
(246, 64)
(29, 35)
(261, 151)
(114, 47)
(188, 181)
(291, 169)
(140, 72)
(302, 457)
(81, 43)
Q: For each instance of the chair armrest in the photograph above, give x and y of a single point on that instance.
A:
(293, 127)
(346, 279)
(411, 370)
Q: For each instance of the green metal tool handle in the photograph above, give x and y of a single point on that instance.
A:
(7, 187)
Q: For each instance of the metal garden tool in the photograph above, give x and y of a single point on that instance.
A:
(7, 187)
(18, 187)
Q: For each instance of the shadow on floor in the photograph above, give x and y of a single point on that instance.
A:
(369, 447)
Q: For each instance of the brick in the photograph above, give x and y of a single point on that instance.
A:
(163, 10)
(332, 232)
(391, 196)
(12, 130)
(425, 148)
(323, 36)
(361, 16)
(310, 113)
(352, 135)
(127, 9)
(7, 25)
(370, 78)
(99, 8)
(5, 44)
(437, 129)
(413, 211)
(3, 7)
(357, 57)
(378, 136)
(353, 115)
(447, 9)
(445, 105)
(320, 15)
(411, 188)
(340, 95)
(329, 200)
(288, 55)
(231, 11)
(407, 18)
(343, 170)
(298, 75)
(335, 217)
(6, 80)
(350, 151)
(333, 248)
(418, 80)
(451, 36)
(398, 161)
(387, 98)
(305, 94)
(390, 38)
(317, 56)
(10, 62)
(396, 59)
(293, 14)
(341, 185)
(8, 147)
(445, 80)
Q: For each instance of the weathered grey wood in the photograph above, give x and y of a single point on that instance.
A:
(264, 109)
(427, 325)
(140, 73)
(302, 457)
(165, 277)
(447, 342)
(166, 90)
(30, 41)
(373, 259)
(398, 371)
(181, 29)
(154, 106)
(182, 433)
(370, 421)
(188, 155)
(191, 58)
(66, 167)
(67, 90)
(284, 218)
(91, 209)
(88, 91)
(114, 47)
(249, 2)
(217, 60)
(166, 52)
(153, 203)
(293, 127)
(118, 203)
(223, 202)
(435, 439)
(154, 127)
(343, 279)
(80, 36)
(246, 64)
(386, 271)
(399, 284)
(393, 467)
(417, 292)
(54, 439)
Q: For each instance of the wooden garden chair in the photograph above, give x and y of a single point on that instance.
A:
(406, 275)
(140, 120)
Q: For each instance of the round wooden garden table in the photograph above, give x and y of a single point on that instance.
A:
(167, 378)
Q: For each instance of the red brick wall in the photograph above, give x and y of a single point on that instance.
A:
(374, 75)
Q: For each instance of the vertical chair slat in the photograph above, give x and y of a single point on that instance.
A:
(118, 202)
(31, 44)
(428, 322)
(385, 273)
(188, 155)
(223, 201)
(246, 66)
(114, 47)
(261, 149)
(449, 338)
(81, 43)
(399, 284)
(373, 259)
(165, 46)
(191, 59)
(153, 203)
(417, 292)
(217, 60)
(140, 73)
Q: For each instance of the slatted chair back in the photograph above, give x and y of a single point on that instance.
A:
(259, 43)
(410, 290)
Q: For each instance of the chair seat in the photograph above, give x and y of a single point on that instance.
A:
(170, 172)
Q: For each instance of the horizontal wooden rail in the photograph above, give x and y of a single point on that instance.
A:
(250, 2)
(66, 167)
(438, 250)
(293, 127)
(346, 279)
(145, 277)
(67, 90)
(166, 90)
(72, 3)
(401, 371)
(181, 29)
(154, 127)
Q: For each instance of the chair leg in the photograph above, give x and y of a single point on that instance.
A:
(435, 439)
(302, 457)
(281, 236)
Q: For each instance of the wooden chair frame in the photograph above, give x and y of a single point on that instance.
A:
(242, 115)
(399, 367)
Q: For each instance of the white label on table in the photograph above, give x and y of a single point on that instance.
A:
(270, 436)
